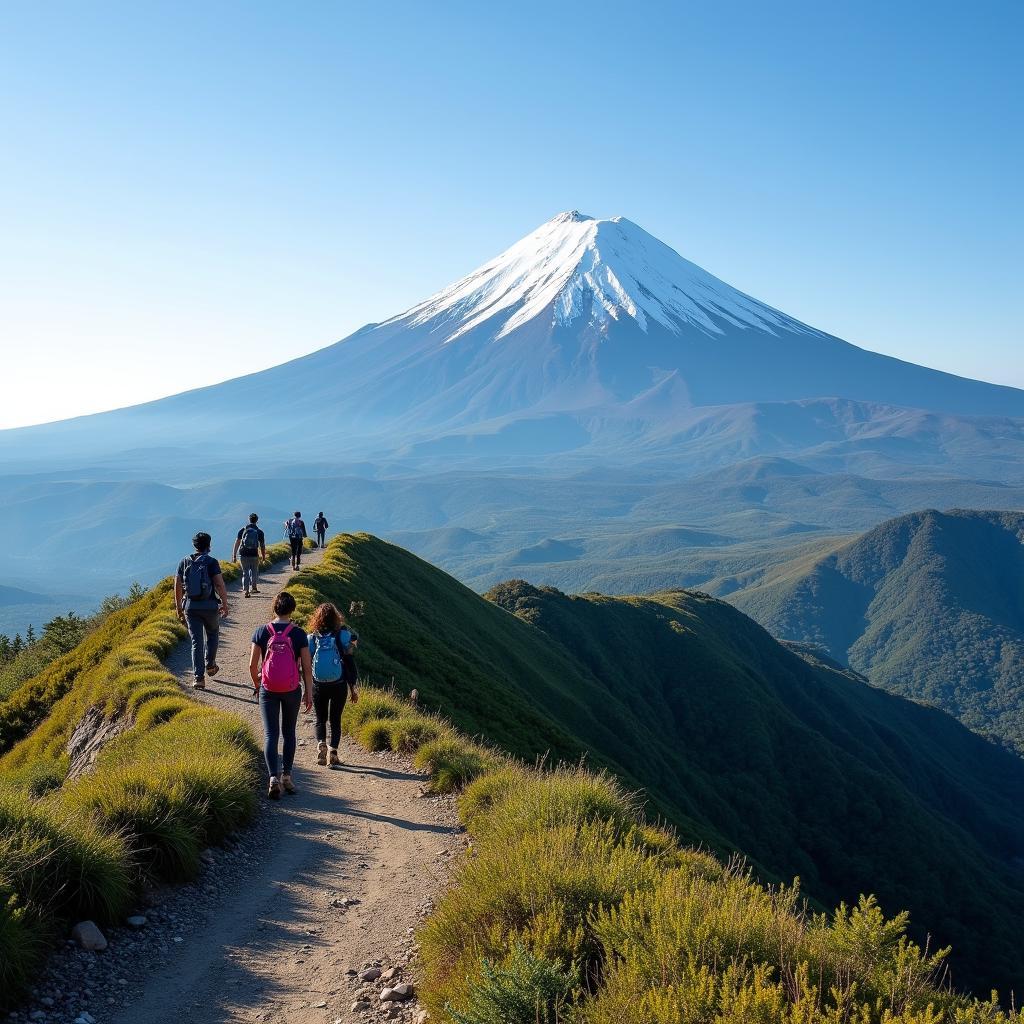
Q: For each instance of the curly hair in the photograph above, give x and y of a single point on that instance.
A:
(326, 619)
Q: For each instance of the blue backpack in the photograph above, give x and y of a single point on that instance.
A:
(198, 585)
(327, 649)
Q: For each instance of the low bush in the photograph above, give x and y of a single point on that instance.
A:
(375, 734)
(23, 942)
(371, 704)
(453, 762)
(410, 732)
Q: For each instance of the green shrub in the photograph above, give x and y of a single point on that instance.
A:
(375, 734)
(452, 762)
(61, 861)
(410, 732)
(489, 790)
(23, 941)
(522, 989)
(540, 889)
(371, 704)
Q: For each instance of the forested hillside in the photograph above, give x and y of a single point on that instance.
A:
(737, 741)
(929, 606)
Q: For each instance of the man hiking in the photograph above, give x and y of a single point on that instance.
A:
(200, 599)
(295, 529)
(320, 525)
(250, 547)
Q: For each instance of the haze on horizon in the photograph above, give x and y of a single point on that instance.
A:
(192, 194)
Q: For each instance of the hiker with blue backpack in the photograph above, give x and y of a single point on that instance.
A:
(333, 645)
(250, 547)
(201, 600)
(295, 531)
(281, 673)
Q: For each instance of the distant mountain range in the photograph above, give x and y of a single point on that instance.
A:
(588, 340)
(582, 389)
(928, 605)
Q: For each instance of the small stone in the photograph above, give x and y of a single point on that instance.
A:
(360, 1005)
(370, 974)
(136, 921)
(88, 936)
(390, 974)
(393, 1012)
(322, 1005)
(403, 991)
(387, 995)
(207, 856)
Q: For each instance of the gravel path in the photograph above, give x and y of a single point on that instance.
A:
(326, 885)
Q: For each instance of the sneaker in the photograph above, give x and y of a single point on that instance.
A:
(255, 590)
(289, 786)
(321, 753)
(274, 789)
(199, 684)
(245, 593)
(334, 761)
(212, 670)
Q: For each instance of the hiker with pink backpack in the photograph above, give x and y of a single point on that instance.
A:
(282, 676)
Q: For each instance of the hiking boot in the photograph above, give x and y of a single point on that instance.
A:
(212, 670)
(289, 786)
(255, 590)
(274, 789)
(245, 593)
(199, 684)
(334, 761)
(321, 753)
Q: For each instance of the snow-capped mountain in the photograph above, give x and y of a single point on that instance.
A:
(587, 339)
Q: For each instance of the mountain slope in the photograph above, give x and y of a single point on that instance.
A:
(738, 741)
(928, 605)
(589, 337)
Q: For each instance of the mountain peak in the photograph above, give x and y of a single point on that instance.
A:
(576, 269)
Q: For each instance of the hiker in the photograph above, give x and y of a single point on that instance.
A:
(320, 526)
(295, 528)
(331, 641)
(250, 547)
(201, 599)
(281, 674)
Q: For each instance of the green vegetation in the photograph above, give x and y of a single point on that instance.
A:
(569, 908)
(83, 826)
(20, 659)
(929, 606)
(737, 743)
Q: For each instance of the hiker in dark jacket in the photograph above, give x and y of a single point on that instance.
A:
(320, 525)
(250, 547)
(295, 529)
(331, 641)
(201, 600)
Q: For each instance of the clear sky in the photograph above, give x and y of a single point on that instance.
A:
(191, 191)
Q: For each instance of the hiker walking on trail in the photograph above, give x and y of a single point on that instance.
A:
(250, 547)
(295, 528)
(201, 600)
(320, 526)
(332, 642)
(281, 674)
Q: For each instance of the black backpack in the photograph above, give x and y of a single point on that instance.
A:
(250, 541)
(198, 585)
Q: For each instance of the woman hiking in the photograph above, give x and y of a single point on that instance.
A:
(333, 677)
(281, 674)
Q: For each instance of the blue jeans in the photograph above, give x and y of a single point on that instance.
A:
(280, 712)
(250, 571)
(204, 632)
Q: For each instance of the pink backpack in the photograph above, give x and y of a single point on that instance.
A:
(280, 673)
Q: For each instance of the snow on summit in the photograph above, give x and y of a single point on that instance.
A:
(576, 267)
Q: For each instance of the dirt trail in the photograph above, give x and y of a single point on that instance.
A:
(280, 943)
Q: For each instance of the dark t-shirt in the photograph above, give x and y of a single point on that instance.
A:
(297, 636)
(262, 539)
(213, 567)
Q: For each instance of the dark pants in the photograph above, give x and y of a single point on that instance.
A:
(320, 534)
(329, 702)
(204, 632)
(296, 543)
(280, 712)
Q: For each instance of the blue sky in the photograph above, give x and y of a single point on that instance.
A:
(193, 191)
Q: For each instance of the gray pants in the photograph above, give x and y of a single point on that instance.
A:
(250, 571)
